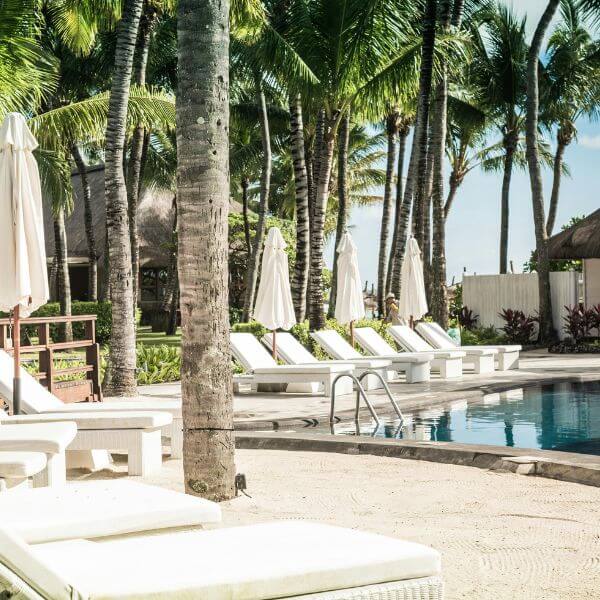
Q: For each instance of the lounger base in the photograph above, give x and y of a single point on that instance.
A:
(55, 473)
(505, 361)
(426, 588)
(418, 372)
(449, 368)
(480, 364)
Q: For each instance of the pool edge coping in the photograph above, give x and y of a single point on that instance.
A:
(563, 466)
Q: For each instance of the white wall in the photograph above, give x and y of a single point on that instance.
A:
(487, 295)
(591, 279)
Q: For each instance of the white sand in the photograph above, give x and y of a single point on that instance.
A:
(502, 536)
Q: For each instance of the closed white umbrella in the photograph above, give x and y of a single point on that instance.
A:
(23, 271)
(413, 299)
(349, 303)
(274, 307)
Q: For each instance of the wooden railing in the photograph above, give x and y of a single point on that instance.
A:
(86, 389)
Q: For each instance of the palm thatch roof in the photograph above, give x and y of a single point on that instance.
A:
(155, 222)
(579, 241)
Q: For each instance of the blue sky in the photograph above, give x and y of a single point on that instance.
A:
(474, 222)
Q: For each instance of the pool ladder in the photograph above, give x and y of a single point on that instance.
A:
(360, 392)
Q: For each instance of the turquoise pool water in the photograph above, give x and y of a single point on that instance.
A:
(564, 416)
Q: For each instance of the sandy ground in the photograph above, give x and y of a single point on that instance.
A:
(501, 535)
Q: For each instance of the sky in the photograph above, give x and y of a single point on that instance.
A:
(473, 227)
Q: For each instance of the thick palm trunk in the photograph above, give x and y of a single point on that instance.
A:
(546, 328)
(342, 216)
(429, 22)
(138, 140)
(323, 162)
(563, 138)
(120, 379)
(263, 206)
(203, 206)
(402, 135)
(384, 233)
(300, 276)
(511, 139)
(404, 225)
(245, 216)
(63, 280)
(89, 225)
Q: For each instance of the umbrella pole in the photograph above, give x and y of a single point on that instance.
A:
(411, 322)
(274, 344)
(352, 333)
(17, 359)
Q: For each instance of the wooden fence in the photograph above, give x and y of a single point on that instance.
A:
(487, 295)
(85, 389)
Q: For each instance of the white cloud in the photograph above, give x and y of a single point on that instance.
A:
(589, 141)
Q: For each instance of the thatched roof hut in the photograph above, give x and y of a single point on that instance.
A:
(578, 241)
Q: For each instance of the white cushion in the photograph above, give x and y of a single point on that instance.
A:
(19, 465)
(255, 562)
(289, 349)
(100, 508)
(170, 406)
(409, 339)
(317, 368)
(500, 348)
(50, 438)
(334, 344)
(250, 352)
(99, 420)
(438, 340)
(372, 342)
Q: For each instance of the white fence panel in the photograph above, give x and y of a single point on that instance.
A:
(487, 295)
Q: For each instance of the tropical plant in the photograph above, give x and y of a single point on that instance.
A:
(519, 328)
(202, 205)
(579, 320)
(466, 318)
(158, 364)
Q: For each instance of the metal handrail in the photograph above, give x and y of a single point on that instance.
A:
(387, 391)
(359, 392)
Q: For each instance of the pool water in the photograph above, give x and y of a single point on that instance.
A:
(563, 416)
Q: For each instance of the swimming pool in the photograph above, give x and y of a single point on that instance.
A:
(561, 416)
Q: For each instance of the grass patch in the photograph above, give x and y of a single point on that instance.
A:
(147, 337)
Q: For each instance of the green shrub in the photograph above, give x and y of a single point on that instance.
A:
(482, 336)
(158, 364)
(253, 327)
(101, 309)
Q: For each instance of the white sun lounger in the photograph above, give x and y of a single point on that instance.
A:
(52, 439)
(291, 351)
(449, 364)
(264, 369)
(95, 509)
(480, 360)
(16, 468)
(256, 562)
(138, 434)
(415, 365)
(36, 399)
(507, 357)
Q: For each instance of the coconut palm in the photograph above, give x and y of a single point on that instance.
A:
(120, 377)
(546, 328)
(202, 204)
(571, 88)
(499, 73)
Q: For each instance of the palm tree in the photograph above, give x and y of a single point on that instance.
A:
(546, 328)
(499, 72)
(120, 379)
(202, 204)
(571, 88)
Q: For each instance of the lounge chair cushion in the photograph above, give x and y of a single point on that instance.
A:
(413, 342)
(19, 465)
(50, 438)
(316, 369)
(439, 341)
(373, 342)
(335, 345)
(256, 562)
(99, 420)
(502, 348)
(100, 508)
(250, 352)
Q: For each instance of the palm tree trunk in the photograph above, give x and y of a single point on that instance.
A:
(342, 216)
(263, 207)
(89, 225)
(563, 139)
(454, 184)
(62, 275)
(402, 135)
(171, 297)
(120, 379)
(546, 327)
(245, 186)
(203, 207)
(511, 139)
(323, 162)
(136, 153)
(404, 225)
(429, 22)
(300, 276)
(426, 216)
(392, 122)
